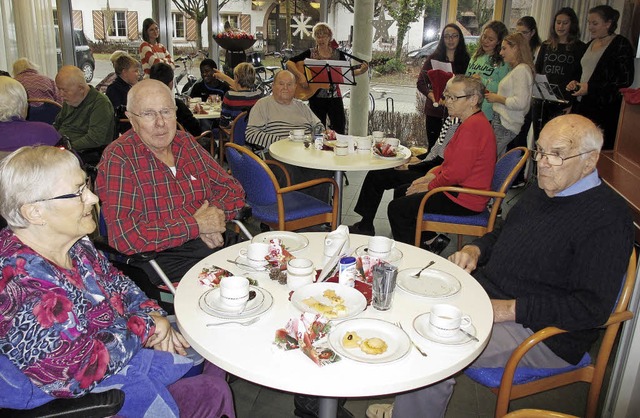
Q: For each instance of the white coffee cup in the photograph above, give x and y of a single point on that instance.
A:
(393, 142)
(297, 134)
(445, 320)
(255, 253)
(377, 135)
(300, 267)
(364, 145)
(234, 292)
(341, 148)
(380, 246)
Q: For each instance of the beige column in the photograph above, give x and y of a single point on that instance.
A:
(362, 37)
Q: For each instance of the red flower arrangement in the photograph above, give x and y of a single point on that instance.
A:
(234, 41)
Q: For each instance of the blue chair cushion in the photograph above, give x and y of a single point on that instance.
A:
(481, 219)
(491, 376)
(297, 205)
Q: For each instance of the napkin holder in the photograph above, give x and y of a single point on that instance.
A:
(307, 333)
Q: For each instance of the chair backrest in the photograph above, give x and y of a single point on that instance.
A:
(256, 178)
(46, 112)
(507, 168)
(239, 128)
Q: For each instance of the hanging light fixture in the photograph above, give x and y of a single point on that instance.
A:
(315, 4)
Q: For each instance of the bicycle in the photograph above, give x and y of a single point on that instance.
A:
(187, 66)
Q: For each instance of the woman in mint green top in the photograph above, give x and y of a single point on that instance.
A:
(487, 63)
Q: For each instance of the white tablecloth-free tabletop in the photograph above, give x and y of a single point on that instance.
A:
(294, 153)
(249, 352)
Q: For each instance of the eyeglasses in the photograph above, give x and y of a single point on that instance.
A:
(152, 115)
(450, 98)
(80, 193)
(554, 159)
(524, 32)
(453, 36)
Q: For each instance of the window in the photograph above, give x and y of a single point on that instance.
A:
(118, 27)
(179, 25)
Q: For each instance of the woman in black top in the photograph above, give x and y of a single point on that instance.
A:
(607, 66)
(452, 49)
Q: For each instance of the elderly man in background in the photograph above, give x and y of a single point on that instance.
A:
(558, 260)
(160, 190)
(87, 117)
(273, 117)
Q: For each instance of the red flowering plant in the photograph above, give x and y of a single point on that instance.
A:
(234, 41)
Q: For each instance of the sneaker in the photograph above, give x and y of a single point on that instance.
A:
(380, 410)
(438, 245)
(359, 228)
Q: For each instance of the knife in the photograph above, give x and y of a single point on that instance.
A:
(329, 266)
(473, 337)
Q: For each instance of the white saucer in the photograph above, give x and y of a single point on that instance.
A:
(421, 325)
(213, 301)
(259, 305)
(245, 264)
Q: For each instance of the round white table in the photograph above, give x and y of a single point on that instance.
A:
(294, 153)
(249, 351)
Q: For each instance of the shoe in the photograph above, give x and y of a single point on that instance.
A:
(438, 245)
(358, 228)
(380, 410)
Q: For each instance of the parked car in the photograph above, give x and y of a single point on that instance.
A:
(417, 56)
(84, 56)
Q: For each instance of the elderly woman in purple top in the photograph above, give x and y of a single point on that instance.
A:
(15, 131)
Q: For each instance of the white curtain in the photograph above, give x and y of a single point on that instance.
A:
(35, 34)
(8, 47)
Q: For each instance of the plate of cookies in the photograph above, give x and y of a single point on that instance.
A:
(333, 300)
(369, 340)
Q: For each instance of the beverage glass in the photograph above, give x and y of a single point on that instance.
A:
(384, 283)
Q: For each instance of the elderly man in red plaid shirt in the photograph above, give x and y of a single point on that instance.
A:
(160, 190)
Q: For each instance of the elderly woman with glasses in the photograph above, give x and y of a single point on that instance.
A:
(71, 323)
(469, 161)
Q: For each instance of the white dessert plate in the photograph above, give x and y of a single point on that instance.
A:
(398, 343)
(292, 241)
(432, 283)
(353, 300)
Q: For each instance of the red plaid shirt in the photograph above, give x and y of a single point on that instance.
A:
(146, 207)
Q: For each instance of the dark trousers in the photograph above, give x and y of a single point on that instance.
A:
(176, 261)
(374, 185)
(332, 107)
(434, 126)
(403, 211)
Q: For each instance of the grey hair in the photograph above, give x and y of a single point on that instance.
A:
(140, 88)
(13, 99)
(472, 86)
(26, 176)
(579, 130)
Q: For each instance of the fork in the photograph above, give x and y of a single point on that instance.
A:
(431, 263)
(399, 325)
(243, 323)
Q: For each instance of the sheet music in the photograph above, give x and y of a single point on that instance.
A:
(328, 71)
(444, 66)
(321, 63)
(544, 90)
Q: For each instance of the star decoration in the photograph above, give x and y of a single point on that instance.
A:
(301, 26)
(381, 26)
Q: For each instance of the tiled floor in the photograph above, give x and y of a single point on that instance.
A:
(469, 399)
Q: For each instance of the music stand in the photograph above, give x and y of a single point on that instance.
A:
(546, 92)
(330, 72)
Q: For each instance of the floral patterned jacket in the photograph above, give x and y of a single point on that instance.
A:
(67, 330)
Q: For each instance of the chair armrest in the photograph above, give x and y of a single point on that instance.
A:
(101, 404)
(281, 167)
(102, 245)
(307, 184)
(488, 193)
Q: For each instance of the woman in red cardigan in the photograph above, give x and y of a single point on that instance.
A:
(469, 161)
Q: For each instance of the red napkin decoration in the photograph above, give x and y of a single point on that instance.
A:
(631, 96)
(438, 79)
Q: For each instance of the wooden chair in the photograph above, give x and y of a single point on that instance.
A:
(282, 208)
(537, 413)
(507, 168)
(592, 373)
(46, 112)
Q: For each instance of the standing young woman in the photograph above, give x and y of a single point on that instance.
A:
(151, 50)
(528, 27)
(511, 103)
(487, 64)
(325, 102)
(559, 59)
(607, 66)
(451, 48)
